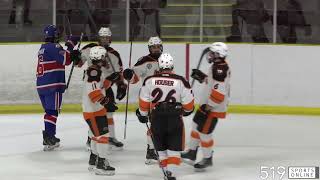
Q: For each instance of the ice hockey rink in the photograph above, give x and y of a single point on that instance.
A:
(244, 143)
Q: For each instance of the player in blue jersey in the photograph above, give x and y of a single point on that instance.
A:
(52, 59)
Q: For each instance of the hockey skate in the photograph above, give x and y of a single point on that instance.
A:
(169, 176)
(92, 162)
(88, 144)
(115, 144)
(151, 156)
(103, 167)
(50, 142)
(189, 156)
(203, 164)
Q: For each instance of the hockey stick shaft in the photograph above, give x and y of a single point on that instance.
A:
(71, 71)
(127, 99)
(204, 52)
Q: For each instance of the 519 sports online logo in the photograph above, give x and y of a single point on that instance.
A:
(292, 172)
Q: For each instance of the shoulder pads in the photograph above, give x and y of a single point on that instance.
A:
(93, 74)
(143, 60)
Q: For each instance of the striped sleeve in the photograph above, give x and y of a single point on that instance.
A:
(217, 94)
(145, 99)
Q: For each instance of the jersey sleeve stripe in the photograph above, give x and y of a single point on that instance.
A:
(189, 106)
(95, 95)
(216, 96)
(144, 105)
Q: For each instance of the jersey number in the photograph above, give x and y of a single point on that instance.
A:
(40, 67)
(158, 93)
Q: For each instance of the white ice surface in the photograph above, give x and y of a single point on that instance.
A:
(243, 144)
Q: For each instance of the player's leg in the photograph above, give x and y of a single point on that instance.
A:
(99, 145)
(113, 140)
(206, 129)
(51, 104)
(175, 144)
(151, 157)
(93, 159)
(191, 154)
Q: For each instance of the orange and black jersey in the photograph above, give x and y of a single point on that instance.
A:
(165, 87)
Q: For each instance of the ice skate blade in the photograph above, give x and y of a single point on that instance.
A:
(188, 161)
(91, 168)
(115, 148)
(200, 169)
(150, 162)
(102, 172)
(50, 148)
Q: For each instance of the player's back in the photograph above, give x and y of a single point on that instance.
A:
(167, 87)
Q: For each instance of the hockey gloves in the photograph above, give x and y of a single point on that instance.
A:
(121, 90)
(109, 105)
(128, 74)
(114, 77)
(75, 56)
(198, 75)
(71, 41)
(142, 119)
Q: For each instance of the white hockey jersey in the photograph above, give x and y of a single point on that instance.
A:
(114, 64)
(145, 67)
(93, 91)
(165, 87)
(216, 92)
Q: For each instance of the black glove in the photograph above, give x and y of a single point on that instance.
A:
(111, 106)
(198, 75)
(114, 77)
(142, 119)
(75, 56)
(128, 74)
(71, 41)
(121, 90)
(104, 101)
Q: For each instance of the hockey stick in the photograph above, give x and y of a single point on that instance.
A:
(127, 99)
(69, 78)
(112, 67)
(204, 52)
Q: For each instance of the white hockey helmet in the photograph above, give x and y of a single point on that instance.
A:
(105, 31)
(154, 41)
(165, 61)
(220, 48)
(97, 53)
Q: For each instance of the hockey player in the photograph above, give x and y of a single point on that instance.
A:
(145, 67)
(114, 65)
(52, 59)
(166, 97)
(95, 105)
(213, 105)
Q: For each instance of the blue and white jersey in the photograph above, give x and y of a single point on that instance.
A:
(52, 59)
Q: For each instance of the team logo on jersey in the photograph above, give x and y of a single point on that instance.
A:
(58, 46)
(149, 66)
(93, 73)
